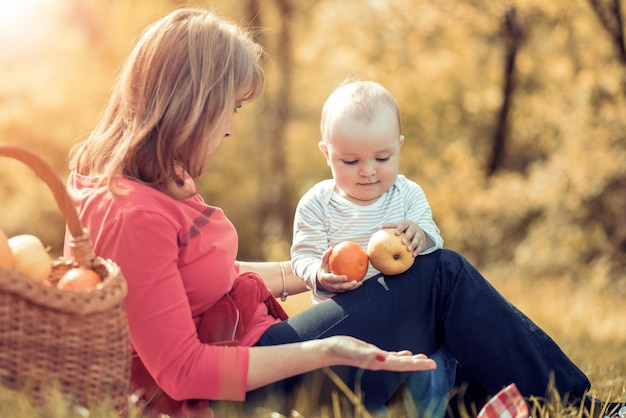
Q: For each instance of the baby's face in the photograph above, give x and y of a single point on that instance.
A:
(364, 156)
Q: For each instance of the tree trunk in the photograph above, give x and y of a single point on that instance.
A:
(611, 18)
(274, 210)
(512, 37)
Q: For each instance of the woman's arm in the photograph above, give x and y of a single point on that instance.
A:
(269, 364)
(272, 275)
(273, 363)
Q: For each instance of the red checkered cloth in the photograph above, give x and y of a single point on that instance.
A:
(508, 403)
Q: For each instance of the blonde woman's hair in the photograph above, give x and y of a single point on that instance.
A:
(358, 100)
(173, 101)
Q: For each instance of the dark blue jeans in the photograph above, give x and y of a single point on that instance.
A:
(441, 301)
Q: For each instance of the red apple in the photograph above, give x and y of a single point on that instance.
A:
(350, 259)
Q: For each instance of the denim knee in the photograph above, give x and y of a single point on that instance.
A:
(430, 389)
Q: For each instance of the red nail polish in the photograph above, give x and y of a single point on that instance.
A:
(380, 357)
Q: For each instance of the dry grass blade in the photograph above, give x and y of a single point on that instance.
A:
(352, 397)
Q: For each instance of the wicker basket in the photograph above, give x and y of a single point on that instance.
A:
(76, 341)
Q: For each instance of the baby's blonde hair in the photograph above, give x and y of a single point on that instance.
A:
(358, 100)
(172, 101)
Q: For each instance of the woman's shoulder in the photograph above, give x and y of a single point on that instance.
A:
(132, 197)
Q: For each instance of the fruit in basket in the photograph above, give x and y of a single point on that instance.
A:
(350, 259)
(387, 253)
(6, 256)
(79, 278)
(30, 257)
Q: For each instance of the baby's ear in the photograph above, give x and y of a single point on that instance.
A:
(401, 140)
(324, 148)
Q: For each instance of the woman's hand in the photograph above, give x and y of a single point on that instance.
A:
(271, 363)
(344, 350)
(333, 283)
(414, 237)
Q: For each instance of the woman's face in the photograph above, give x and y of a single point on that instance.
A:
(215, 141)
(229, 125)
(364, 156)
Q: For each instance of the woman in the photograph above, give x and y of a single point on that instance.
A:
(205, 326)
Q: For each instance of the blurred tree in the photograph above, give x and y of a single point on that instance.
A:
(513, 34)
(272, 188)
(611, 17)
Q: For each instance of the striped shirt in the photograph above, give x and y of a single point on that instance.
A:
(323, 219)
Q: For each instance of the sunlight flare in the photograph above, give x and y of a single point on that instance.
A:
(24, 23)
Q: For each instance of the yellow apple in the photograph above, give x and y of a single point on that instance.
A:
(6, 256)
(388, 254)
(30, 257)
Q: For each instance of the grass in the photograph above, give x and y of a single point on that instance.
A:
(587, 320)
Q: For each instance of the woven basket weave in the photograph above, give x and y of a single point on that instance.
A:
(76, 340)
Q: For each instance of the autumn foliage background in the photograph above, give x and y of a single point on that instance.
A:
(513, 113)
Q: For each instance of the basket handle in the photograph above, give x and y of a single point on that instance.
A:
(80, 241)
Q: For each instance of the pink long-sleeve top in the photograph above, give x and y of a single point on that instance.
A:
(178, 258)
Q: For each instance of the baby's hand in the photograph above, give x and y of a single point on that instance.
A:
(333, 283)
(414, 237)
